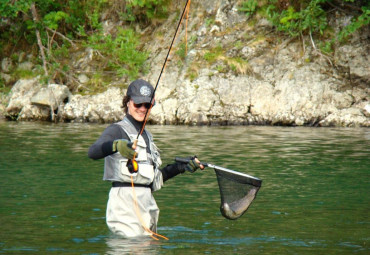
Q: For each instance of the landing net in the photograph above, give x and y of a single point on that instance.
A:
(237, 191)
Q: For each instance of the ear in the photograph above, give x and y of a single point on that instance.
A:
(128, 108)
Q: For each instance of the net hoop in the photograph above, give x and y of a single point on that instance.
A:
(256, 181)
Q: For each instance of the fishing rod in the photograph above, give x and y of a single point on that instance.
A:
(131, 163)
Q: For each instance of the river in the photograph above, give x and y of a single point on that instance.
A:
(314, 197)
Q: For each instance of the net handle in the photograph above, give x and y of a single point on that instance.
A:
(186, 160)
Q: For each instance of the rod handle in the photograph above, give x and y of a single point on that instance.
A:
(134, 144)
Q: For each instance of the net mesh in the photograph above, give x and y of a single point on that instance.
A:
(237, 192)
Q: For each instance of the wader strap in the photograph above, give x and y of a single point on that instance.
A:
(126, 184)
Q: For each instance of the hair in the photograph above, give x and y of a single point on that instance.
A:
(125, 101)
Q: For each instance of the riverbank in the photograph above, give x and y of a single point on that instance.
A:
(234, 73)
(295, 105)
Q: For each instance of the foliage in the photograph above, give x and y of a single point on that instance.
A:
(209, 22)
(213, 54)
(68, 16)
(3, 88)
(144, 10)
(224, 63)
(356, 23)
(249, 7)
(239, 65)
(193, 71)
(310, 17)
(121, 53)
(61, 24)
(181, 51)
(184, 47)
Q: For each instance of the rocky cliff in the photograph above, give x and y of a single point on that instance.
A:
(235, 72)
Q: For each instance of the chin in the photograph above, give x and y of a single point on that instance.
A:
(140, 118)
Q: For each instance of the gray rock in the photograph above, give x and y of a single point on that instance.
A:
(264, 23)
(104, 107)
(52, 96)
(29, 100)
(32, 112)
(6, 65)
(20, 96)
(366, 110)
(351, 117)
(6, 77)
(355, 57)
(26, 66)
(83, 78)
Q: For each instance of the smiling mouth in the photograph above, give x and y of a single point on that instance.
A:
(141, 114)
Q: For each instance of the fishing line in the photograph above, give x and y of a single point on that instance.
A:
(153, 234)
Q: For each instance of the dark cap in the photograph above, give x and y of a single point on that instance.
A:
(140, 91)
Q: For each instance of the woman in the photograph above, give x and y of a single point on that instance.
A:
(134, 212)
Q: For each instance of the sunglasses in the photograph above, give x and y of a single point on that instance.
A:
(146, 105)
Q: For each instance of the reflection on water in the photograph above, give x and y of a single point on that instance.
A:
(313, 198)
(144, 245)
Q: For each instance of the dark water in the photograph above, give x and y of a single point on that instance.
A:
(314, 197)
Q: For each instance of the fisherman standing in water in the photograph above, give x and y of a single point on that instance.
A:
(133, 211)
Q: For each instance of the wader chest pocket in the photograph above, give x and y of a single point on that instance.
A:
(145, 175)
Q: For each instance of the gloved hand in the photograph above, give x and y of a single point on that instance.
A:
(192, 165)
(124, 147)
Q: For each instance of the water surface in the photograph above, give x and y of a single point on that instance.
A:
(314, 197)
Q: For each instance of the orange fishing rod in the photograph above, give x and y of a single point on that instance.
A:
(131, 163)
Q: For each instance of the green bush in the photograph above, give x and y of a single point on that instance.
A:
(145, 10)
(212, 55)
(249, 7)
(64, 23)
(356, 23)
(120, 53)
(310, 17)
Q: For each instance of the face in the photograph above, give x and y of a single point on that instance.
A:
(137, 111)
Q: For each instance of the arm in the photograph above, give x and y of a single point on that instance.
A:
(103, 146)
(172, 170)
(190, 164)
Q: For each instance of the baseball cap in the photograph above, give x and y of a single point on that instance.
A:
(140, 91)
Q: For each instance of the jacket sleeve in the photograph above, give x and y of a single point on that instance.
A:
(172, 170)
(103, 146)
